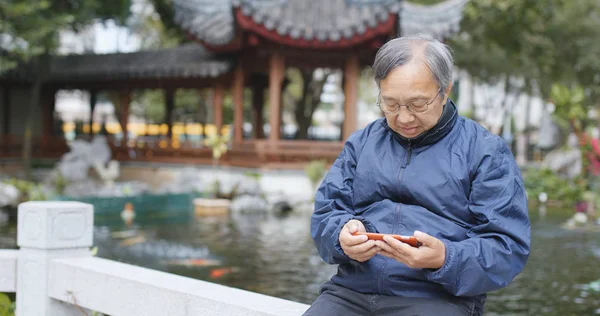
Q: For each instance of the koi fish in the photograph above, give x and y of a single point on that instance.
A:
(199, 262)
(217, 273)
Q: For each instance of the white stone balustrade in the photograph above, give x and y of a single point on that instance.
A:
(54, 273)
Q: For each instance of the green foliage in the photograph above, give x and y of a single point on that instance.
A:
(253, 174)
(566, 191)
(165, 9)
(152, 29)
(218, 143)
(315, 171)
(30, 28)
(149, 104)
(542, 42)
(569, 103)
(7, 308)
(60, 183)
(187, 102)
(29, 191)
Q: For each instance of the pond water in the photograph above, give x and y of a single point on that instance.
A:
(275, 255)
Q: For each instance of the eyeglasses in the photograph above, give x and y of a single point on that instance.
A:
(414, 107)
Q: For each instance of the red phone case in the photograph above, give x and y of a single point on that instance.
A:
(411, 240)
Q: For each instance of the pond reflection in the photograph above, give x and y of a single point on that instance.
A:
(275, 255)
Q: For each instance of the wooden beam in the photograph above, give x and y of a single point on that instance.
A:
(276, 74)
(169, 106)
(6, 111)
(248, 24)
(93, 98)
(351, 76)
(238, 104)
(125, 99)
(147, 83)
(218, 106)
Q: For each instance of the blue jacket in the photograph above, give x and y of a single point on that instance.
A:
(458, 183)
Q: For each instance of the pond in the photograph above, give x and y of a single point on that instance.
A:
(274, 255)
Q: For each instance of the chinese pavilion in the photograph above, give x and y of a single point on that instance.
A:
(249, 44)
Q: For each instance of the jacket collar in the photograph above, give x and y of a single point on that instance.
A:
(433, 135)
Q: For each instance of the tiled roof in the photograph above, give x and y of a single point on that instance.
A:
(324, 20)
(187, 61)
(209, 20)
(213, 21)
(439, 20)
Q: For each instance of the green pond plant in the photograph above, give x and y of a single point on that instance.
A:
(315, 170)
(218, 144)
(7, 308)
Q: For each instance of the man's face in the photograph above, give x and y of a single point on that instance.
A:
(412, 83)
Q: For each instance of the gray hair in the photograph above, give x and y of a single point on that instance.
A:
(400, 51)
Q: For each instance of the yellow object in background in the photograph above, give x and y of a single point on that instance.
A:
(164, 129)
(153, 129)
(142, 129)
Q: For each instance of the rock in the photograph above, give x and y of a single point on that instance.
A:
(281, 207)
(580, 218)
(82, 188)
(248, 186)
(108, 173)
(248, 204)
(9, 195)
(74, 166)
(99, 150)
(188, 181)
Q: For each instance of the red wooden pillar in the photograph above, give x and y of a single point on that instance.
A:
(218, 106)
(276, 74)
(125, 99)
(258, 100)
(238, 105)
(351, 76)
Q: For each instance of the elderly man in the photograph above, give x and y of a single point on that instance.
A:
(423, 170)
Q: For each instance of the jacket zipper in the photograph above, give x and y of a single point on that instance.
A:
(382, 275)
(407, 162)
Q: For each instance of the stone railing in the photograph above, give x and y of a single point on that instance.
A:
(54, 273)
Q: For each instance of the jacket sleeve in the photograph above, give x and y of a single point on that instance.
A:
(497, 247)
(334, 206)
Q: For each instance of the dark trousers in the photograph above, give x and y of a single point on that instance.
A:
(337, 300)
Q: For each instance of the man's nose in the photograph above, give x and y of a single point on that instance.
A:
(405, 116)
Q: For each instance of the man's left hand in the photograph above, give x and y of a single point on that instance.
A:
(431, 254)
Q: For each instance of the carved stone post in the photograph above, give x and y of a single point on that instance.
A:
(46, 231)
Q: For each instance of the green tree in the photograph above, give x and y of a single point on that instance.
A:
(303, 96)
(538, 42)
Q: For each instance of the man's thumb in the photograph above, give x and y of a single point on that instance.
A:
(424, 238)
(352, 227)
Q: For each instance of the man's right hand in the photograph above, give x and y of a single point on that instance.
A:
(358, 248)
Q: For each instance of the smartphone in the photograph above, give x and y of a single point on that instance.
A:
(411, 240)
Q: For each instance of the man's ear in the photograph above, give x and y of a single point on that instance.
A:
(447, 92)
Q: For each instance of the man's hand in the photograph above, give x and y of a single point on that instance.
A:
(431, 254)
(358, 248)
